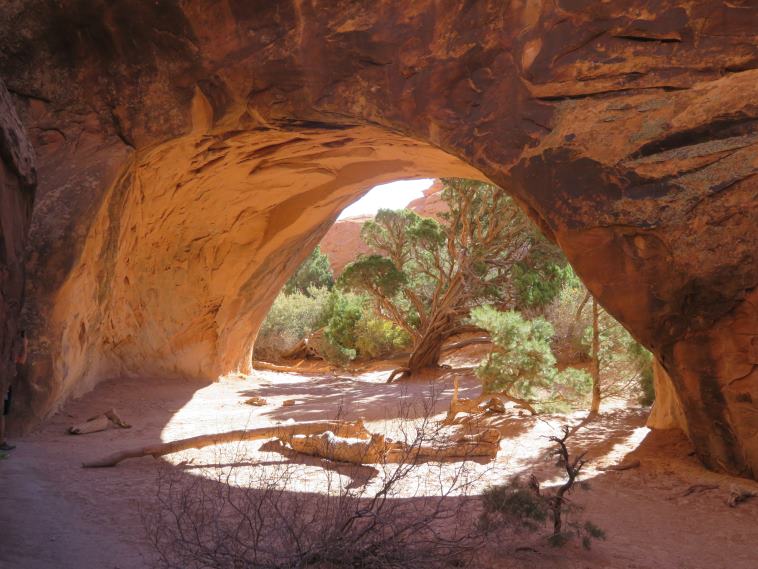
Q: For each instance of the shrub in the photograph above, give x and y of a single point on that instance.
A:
(521, 360)
(271, 516)
(642, 359)
(314, 272)
(625, 366)
(341, 317)
(377, 337)
(291, 318)
(514, 504)
(525, 506)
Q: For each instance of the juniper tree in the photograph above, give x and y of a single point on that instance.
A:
(426, 275)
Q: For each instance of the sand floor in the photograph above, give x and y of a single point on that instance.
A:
(54, 514)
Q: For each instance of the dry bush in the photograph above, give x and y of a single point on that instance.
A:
(399, 519)
(522, 505)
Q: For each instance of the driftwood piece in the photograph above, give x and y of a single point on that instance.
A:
(472, 406)
(354, 450)
(379, 450)
(268, 366)
(622, 466)
(354, 429)
(99, 423)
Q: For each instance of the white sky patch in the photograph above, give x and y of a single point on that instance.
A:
(395, 195)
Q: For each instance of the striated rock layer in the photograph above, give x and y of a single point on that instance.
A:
(190, 154)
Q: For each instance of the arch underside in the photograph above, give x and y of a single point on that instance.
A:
(187, 167)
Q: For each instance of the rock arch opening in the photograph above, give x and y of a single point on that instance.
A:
(196, 237)
(628, 134)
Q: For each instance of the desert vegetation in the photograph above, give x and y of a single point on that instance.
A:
(410, 511)
(480, 272)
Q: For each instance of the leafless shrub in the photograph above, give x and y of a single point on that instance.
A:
(522, 504)
(395, 519)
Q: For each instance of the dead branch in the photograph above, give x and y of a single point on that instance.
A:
(99, 423)
(267, 366)
(379, 450)
(354, 429)
(573, 467)
(471, 406)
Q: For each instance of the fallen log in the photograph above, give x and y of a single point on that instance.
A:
(492, 404)
(379, 450)
(353, 429)
(268, 366)
(99, 423)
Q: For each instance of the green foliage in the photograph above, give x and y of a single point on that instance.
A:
(589, 532)
(576, 382)
(541, 275)
(314, 272)
(292, 317)
(372, 274)
(342, 315)
(522, 363)
(352, 330)
(513, 504)
(642, 359)
(377, 337)
(625, 366)
(521, 360)
(427, 274)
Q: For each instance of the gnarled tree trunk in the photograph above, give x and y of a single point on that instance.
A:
(595, 408)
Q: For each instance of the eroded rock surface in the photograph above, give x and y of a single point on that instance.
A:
(18, 179)
(189, 155)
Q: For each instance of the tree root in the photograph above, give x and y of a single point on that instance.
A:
(398, 374)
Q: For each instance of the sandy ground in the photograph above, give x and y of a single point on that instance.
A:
(54, 514)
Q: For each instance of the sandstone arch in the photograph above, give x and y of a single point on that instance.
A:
(626, 128)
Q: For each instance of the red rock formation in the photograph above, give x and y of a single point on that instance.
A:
(18, 178)
(189, 155)
(431, 203)
(343, 244)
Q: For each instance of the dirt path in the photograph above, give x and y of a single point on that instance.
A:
(53, 514)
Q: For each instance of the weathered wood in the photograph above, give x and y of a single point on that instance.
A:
(99, 423)
(354, 429)
(94, 425)
(379, 450)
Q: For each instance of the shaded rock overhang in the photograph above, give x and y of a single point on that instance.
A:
(190, 154)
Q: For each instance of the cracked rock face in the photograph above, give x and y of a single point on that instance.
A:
(190, 155)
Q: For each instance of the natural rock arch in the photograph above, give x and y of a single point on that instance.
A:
(628, 133)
